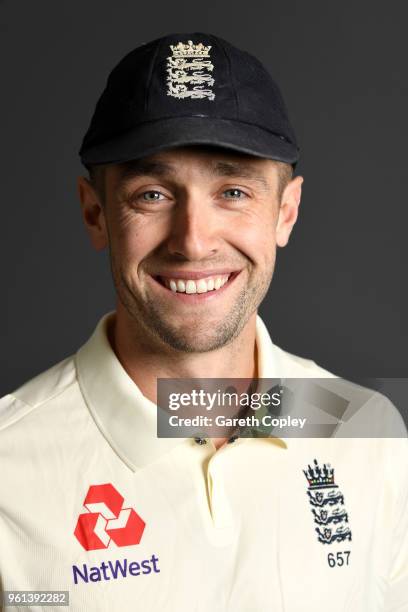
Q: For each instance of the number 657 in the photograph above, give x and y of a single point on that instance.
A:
(341, 558)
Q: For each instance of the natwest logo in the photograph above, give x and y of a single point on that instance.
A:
(107, 520)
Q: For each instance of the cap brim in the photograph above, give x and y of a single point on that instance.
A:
(154, 136)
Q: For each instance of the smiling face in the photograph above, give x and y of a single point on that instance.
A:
(192, 235)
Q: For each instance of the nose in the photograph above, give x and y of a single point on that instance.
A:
(194, 229)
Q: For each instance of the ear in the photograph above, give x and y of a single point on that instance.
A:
(288, 211)
(93, 214)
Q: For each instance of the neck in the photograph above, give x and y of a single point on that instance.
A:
(146, 361)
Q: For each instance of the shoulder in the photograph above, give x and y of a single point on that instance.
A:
(295, 366)
(273, 361)
(361, 411)
(37, 392)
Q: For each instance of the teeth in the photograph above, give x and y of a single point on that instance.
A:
(202, 285)
(191, 287)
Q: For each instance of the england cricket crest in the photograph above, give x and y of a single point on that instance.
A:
(189, 71)
(327, 504)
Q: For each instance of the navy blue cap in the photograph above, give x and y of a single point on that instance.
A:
(188, 89)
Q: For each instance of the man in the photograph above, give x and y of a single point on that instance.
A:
(190, 154)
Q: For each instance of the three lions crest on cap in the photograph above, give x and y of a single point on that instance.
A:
(189, 71)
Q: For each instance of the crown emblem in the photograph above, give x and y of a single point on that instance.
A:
(327, 504)
(190, 50)
(189, 72)
(318, 477)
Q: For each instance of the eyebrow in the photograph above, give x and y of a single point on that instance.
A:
(238, 169)
(145, 167)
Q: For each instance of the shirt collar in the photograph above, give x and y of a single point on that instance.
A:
(125, 417)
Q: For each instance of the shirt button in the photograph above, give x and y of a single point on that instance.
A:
(200, 441)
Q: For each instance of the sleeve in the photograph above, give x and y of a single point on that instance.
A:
(396, 599)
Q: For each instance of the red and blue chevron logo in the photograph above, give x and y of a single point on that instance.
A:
(107, 520)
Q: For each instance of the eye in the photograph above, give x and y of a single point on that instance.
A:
(151, 196)
(234, 194)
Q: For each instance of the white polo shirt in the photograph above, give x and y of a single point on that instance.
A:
(93, 503)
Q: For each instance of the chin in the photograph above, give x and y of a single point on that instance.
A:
(192, 342)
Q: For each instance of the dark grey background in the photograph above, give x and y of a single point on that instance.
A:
(339, 293)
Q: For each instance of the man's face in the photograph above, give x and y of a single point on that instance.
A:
(192, 235)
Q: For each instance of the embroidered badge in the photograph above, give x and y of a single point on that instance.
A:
(327, 502)
(189, 71)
